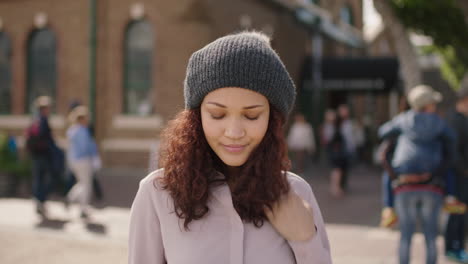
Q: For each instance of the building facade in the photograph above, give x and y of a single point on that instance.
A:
(126, 59)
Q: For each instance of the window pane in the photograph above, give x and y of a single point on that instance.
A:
(42, 72)
(138, 68)
(5, 74)
(346, 15)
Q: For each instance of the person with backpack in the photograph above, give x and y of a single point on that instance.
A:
(43, 151)
(423, 152)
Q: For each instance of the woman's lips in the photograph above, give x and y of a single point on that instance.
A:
(234, 148)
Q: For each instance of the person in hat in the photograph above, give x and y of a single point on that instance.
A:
(424, 149)
(81, 156)
(224, 193)
(455, 229)
(41, 145)
(70, 178)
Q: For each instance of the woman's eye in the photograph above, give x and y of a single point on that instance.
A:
(217, 116)
(251, 117)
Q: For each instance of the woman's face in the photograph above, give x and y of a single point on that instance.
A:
(83, 120)
(234, 121)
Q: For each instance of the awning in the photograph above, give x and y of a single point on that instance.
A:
(314, 18)
(356, 74)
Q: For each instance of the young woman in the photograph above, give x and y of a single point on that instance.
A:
(224, 194)
(82, 157)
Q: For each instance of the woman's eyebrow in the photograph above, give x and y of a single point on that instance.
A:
(252, 106)
(217, 104)
(223, 106)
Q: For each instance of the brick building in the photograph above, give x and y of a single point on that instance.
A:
(126, 59)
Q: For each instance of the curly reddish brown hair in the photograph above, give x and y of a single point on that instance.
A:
(191, 168)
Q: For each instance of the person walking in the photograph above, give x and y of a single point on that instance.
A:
(43, 152)
(455, 229)
(333, 144)
(83, 158)
(424, 149)
(338, 158)
(70, 178)
(224, 193)
(388, 218)
(301, 142)
(328, 127)
(347, 129)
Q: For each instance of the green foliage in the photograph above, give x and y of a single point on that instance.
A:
(444, 22)
(452, 67)
(9, 161)
(440, 19)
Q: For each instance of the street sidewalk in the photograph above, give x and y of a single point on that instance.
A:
(351, 225)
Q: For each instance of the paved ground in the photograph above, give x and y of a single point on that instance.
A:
(351, 224)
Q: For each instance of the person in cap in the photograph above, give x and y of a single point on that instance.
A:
(70, 178)
(81, 155)
(423, 151)
(223, 193)
(456, 228)
(40, 145)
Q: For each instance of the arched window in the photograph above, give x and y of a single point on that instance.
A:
(41, 66)
(138, 68)
(346, 15)
(5, 74)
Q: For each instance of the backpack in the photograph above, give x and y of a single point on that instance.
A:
(35, 144)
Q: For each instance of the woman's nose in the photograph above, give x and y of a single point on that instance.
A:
(234, 129)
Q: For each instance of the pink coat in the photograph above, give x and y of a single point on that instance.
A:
(157, 235)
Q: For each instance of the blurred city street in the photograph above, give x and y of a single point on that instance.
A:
(351, 224)
(88, 89)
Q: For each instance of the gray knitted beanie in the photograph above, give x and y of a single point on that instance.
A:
(244, 60)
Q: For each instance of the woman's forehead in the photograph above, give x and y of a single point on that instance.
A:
(235, 97)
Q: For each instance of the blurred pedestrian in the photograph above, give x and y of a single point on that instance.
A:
(328, 127)
(47, 160)
(423, 151)
(456, 229)
(347, 129)
(386, 151)
(327, 130)
(359, 140)
(388, 217)
(70, 178)
(224, 190)
(301, 142)
(83, 158)
(338, 158)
